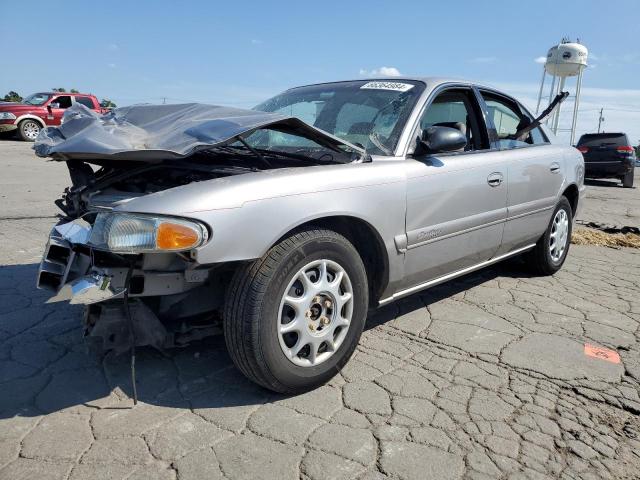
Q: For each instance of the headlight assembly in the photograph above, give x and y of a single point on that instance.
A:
(7, 116)
(135, 233)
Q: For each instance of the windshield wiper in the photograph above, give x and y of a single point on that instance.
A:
(254, 151)
(298, 156)
(244, 150)
(267, 152)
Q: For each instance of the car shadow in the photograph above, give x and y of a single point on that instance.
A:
(592, 182)
(45, 366)
(513, 268)
(8, 136)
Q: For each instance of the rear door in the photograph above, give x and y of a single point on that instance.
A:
(456, 202)
(535, 171)
(86, 101)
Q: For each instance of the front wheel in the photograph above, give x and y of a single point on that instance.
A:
(550, 252)
(294, 317)
(28, 130)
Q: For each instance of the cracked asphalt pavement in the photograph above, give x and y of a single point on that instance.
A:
(483, 377)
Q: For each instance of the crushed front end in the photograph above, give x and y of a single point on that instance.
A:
(134, 271)
(137, 273)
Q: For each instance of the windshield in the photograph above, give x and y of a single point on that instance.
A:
(36, 99)
(369, 114)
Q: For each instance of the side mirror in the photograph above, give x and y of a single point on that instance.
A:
(54, 105)
(438, 139)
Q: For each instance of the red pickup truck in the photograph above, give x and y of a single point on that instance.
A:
(41, 110)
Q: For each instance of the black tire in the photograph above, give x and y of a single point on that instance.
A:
(539, 259)
(26, 129)
(252, 311)
(627, 180)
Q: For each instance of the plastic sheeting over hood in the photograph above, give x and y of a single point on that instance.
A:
(159, 132)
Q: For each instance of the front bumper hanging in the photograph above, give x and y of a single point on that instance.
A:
(67, 273)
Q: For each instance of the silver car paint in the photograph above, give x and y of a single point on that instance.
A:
(454, 217)
(434, 220)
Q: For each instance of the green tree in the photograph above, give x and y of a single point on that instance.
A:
(12, 97)
(61, 90)
(73, 90)
(106, 103)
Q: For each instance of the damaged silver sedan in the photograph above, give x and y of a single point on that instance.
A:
(280, 227)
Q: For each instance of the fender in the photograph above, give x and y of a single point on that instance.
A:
(30, 116)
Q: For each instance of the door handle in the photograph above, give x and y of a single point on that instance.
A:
(554, 167)
(494, 179)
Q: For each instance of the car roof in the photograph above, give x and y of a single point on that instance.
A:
(65, 93)
(431, 82)
(602, 134)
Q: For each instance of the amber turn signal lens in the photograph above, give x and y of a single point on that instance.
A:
(174, 236)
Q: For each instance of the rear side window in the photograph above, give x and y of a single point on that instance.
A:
(86, 101)
(538, 137)
(508, 117)
(603, 139)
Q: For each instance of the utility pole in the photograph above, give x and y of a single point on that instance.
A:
(164, 101)
(600, 120)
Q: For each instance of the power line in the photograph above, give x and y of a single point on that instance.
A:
(600, 120)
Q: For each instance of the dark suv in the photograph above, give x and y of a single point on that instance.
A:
(608, 155)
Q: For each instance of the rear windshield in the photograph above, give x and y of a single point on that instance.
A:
(603, 139)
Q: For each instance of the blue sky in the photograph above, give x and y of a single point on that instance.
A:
(239, 53)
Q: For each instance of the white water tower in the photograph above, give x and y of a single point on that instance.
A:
(567, 59)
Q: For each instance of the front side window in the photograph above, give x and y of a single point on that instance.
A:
(63, 101)
(369, 114)
(508, 118)
(456, 109)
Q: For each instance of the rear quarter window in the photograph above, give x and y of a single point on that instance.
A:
(86, 101)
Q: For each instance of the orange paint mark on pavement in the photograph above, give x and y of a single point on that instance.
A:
(601, 353)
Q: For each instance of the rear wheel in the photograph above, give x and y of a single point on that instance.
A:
(627, 180)
(28, 130)
(294, 317)
(551, 250)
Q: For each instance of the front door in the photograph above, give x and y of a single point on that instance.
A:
(456, 202)
(56, 109)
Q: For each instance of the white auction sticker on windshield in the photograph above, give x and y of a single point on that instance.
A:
(379, 85)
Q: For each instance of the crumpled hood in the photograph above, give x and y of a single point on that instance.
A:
(159, 132)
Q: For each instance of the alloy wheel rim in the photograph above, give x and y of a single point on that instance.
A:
(315, 313)
(31, 130)
(559, 235)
